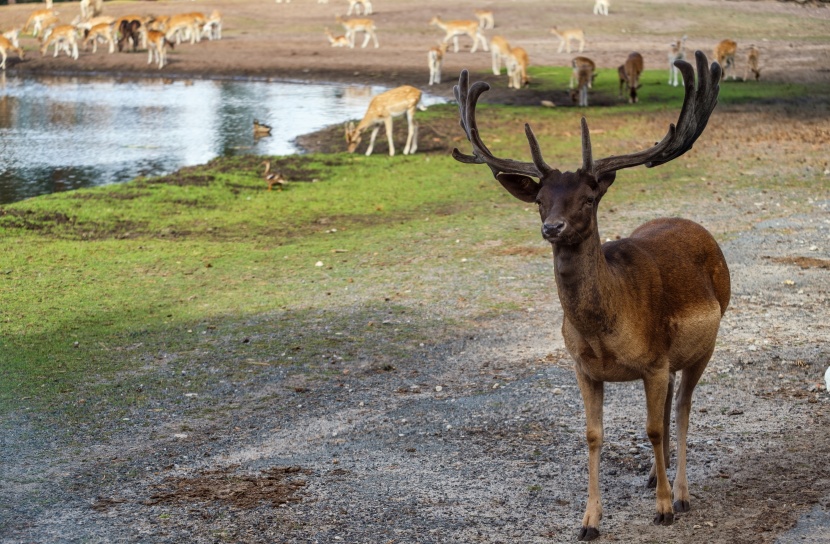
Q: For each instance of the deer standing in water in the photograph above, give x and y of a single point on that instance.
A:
(640, 308)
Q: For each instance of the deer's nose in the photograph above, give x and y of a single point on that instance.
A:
(552, 229)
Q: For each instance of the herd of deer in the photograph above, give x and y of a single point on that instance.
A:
(405, 100)
(91, 28)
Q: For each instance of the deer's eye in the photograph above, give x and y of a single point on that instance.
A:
(590, 201)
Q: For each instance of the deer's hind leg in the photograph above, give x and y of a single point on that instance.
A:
(688, 381)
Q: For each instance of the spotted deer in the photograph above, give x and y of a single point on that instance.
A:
(454, 29)
(640, 308)
(399, 101)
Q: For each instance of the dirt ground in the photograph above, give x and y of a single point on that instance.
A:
(477, 436)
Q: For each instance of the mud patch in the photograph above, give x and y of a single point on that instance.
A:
(275, 486)
(32, 220)
(802, 262)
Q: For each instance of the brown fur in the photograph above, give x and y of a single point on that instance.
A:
(630, 75)
(641, 308)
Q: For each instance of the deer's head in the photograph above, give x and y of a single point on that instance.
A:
(353, 137)
(568, 200)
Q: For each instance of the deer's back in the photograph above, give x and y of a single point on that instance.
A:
(689, 260)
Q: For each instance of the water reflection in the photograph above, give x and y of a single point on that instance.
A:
(62, 133)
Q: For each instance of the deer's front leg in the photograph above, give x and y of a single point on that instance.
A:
(592, 395)
(657, 388)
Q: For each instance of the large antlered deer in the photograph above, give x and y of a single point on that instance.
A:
(640, 308)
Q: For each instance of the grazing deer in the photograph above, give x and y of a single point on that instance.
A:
(157, 43)
(677, 51)
(357, 5)
(6, 46)
(101, 32)
(337, 41)
(64, 38)
(454, 29)
(499, 50)
(725, 55)
(753, 55)
(353, 26)
(630, 75)
(485, 19)
(435, 58)
(565, 37)
(517, 63)
(37, 18)
(601, 7)
(584, 74)
(579, 62)
(383, 107)
(640, 308)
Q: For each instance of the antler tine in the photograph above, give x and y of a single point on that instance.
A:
(698, 105)
(467, 98)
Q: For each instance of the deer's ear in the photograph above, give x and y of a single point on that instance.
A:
(605, 181)
(520, 186)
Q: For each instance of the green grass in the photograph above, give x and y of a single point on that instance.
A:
(102, 284)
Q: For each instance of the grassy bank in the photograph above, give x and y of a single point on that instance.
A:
(357, 256)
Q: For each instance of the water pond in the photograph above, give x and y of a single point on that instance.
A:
(61, 133)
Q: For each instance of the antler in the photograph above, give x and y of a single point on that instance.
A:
(697, 107)
(467, 97)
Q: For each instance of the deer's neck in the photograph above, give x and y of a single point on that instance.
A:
(584, 283)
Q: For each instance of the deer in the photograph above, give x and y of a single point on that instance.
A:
(584, 73)
(102, 32)
(157, 43)
(485, 18)
(357, 5)
(212, 28)
(337, 41)
(454, 29)
(353, 26)
(435, 58)
(565, 37)
(677, 51)
(578, 63)
(7, 46)
(630, 75)
(752, 57)
(517, 63)
(37, 18)
(725, 55)
(499, 50)
(383, 107)
(64, 38)
(601, 7)
(643, 307)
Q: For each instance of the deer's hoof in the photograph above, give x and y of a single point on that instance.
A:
(681, 506)
(588, 533)
(664, 518)
(652, 482)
